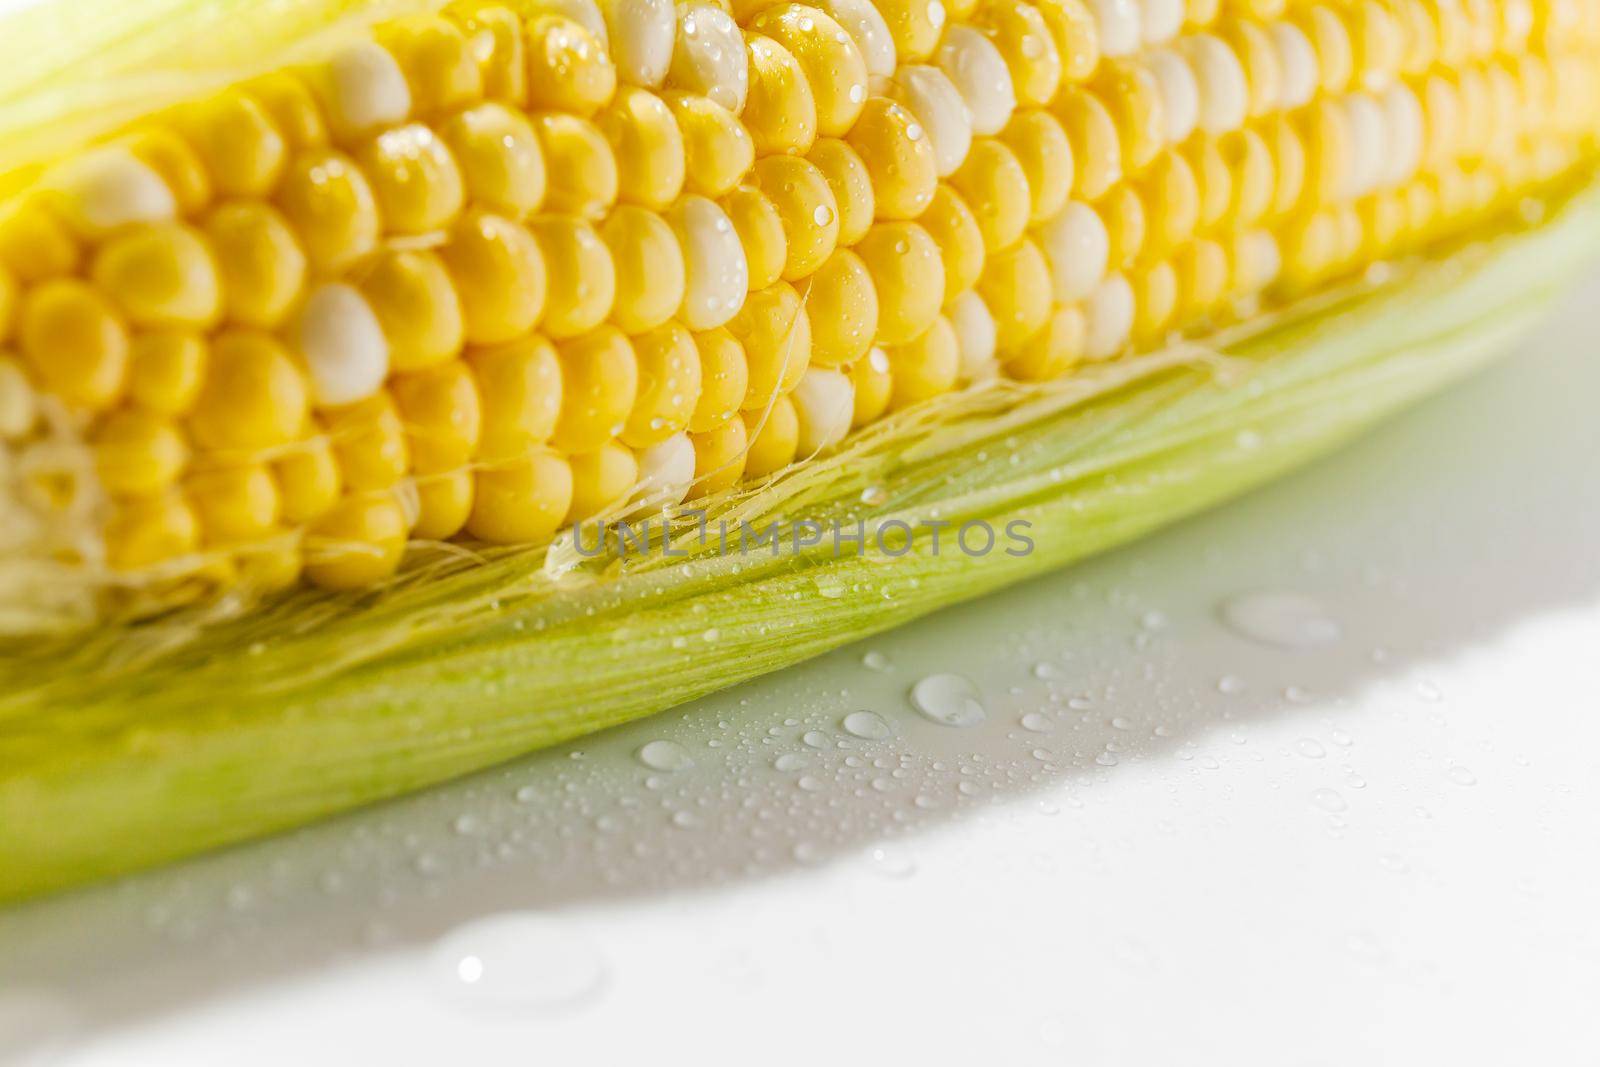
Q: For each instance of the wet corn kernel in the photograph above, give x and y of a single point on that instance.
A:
(442, 415)
(975, 337)
(899, 158)
(1117, 26)
(1040, 145)
(1126, 225)
(640, 37)
(150, 530)
(780, 111)
(498, 152)
(1155, 303)
(1023, 38)
(443, 502)
(843, 307)
(495, 41)
(924, 367)
(874, 387)
(361, 89)
(649, 269)
(259, 262)
(138, 452)
(1077, 248)
(716, 273)
(599, 381)
(160, 275)
(1053, 350)
(806, 209)
(717, 149)
(437, 61)
(411, 294)
(165, 370)
(243, 152)
(851, 184)
(358, 543)
(995, 186)
(1224, 93)
(775, 331)
(1252, 177)
(1016, 287)
(1132, 97)
(581, 280)
(708, 57)
(309, 482)
(414, 177)
(669, 385)
(1171, 205)
(914, 26)
(582, 172)
(498, 274)
(180, 168)
(953, 227)
(646, 146)
(568, 69)
(34, 245)
(774, 437)
(293, 109)
(719, 457)
(235, 503)
(601, 481)
(1096, 144)
(369, 440)
(929, 94)
(253, 397)
(1213, 180)
(1108, 318)
(724, 377)
(520, 395)
(761, 233)
(106, 189)
(1077, 41)
(75, 342)
(908, 274)
(522, 501)
(331, 207)
(829, 60)
(866, 26)
(824, 401)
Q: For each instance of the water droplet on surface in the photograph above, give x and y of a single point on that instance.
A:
(1329, 800)
(891, 862)
(867, 725)
(1230, 684)
(517, 963)
(815, 739)
(1461, 775)
(789, 761)
(1038, 722)
(1287, 620)
(663, 755)
(1310, 748)
(949, 700)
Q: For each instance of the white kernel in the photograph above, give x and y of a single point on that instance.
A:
(585, 13)
(929, 94)
(1369, 137)
(106, 188)
(666, 471)
(979, 72)
(18, 402)
(824, 402)
(1160, 20)
(366, 88)
(709, 57)
(1116, 23)
(1224, 92)
(342, 343)
(1404, 120)
(1076, 246)
(1180, 94)
(642, 32)
(716, 273)
(975, 336)
(1109, 318)
(865, 25)
(1298, 62)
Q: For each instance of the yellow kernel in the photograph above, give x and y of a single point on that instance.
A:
(717, 149)
(1072, 27)
(178, 165)
(874, 387)
(761, 233)
(582, 281)
(724, 377)
(411, 294)
(582, 172)
(1263, 69)
(843, 308)
(370, 442)
(160, 275)
(599, 381)
(8, 303)
(234, 136)
(1383, 219)
(438, 64)
(669, 385)
(850, 183)
(568, 69)
(995, 187)
(444, 502)
(34, 245)
(1203, 279)
(775, 331)
(1377, 43)
(308, 480)
(494, 37)
(1326, 135)
(165, 370)
(235, 503)
(150, 530)
(774, 437)
(75, 342)
(357, 544)
(953, 227)
(1171, 205)
(1039, 143)
(924, 367)
(1019, 31)
(1288, 166)
(806, 208)
(908, 274)
(1155, 302)
(1126, 226)
(1054, 350)
(828, 60)
(915, 25)
(1212, 179)
(1249, 163)
(719, 457)
(779, 112)
(1201, 13)
(523, 501)
(260, 263)
(1310, 249)
(649, 268)
(253, 396)
(1016, 287)
(498, 152)
(414, 177)
(1331, 41)
(519, 392)
(601, 480)
(138, 452)
(1133, 99)
(647, 148)
(293, 109)
(1096, 145)
(442, 415)
(498, 274)
(1420, 36)
(899, 157)
(332, 208)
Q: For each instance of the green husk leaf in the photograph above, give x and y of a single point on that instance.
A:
(144, 743)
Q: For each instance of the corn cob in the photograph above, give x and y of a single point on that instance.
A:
(476, 273)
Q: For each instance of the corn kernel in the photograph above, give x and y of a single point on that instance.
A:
(165, 370)
(235, 503)
(436, 60)
(1018, 30)
(1171, 205)
(874, 387)
(1016, 287)
(601, 480)
(494, 37)
(708, 58)
(332, 208)
(599, 381)
(866, 26)
(843, 308)
(716, 273)
(1203, 279)
(1116, 26)
(724, 377)
(824, 402)
(1077, 40)
(1256, 261)
(414, 177)
(1122, 211)
(666, 473)
(908, 274)
(647, 148)
(951, 224)
(1132, 97)
(8, 303)
(1180, 93)
(828, 60)
(362, 88)
(160, 275)
(780, 111)
(498, 152)
(582, 172)
(995, 186)
(75, 343)
(935, 102)
(252, 396)
(648, 266)
(523, 501)
(442, 415)
(1331, 41)
(760, 232)
(641, 35)
(138, 452)
(568, 69)
(719, 457)
(669, 385)
(233, 134)
(979, 72)
(411, 294)
(106, 189)
(1053, 350)
(19, 403)
(1160, 20)
(1108, 318)
(774, 437)
(1096, 145)
(259, 261)
(924, 367)
(1310, 249)
(308, 480)
(356, 544)
(1325, 128)
(444, 502)
(34, 245)
(520, 395)
(718, 150)
(498, 274)
(179, 167)
(899, 158)
(806, 209)
(144, 532)
(292, 109)
(1077, 248)
(1288, 166)
(1040, 145)
(975, 336)
(1155, 303)
(580, 276)
(341, 345)
(775, 331)
(851, 184)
